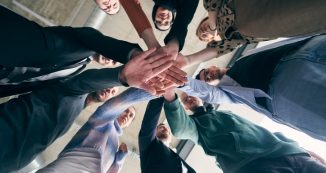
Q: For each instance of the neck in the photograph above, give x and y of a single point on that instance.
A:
(89, 101)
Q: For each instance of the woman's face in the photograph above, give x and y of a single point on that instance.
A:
(163, 18)
(109, 6)
(204, 33)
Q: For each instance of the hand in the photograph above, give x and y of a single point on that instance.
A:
(172, 49)
(172, 76)
(137, 1)
(169, 94)
(123, 147)
(181, 61)
(175, 75)
(139, 70)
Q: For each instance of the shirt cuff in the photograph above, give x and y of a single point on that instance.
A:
(173, 105)
(131, 52)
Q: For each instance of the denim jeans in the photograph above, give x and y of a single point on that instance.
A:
(298, 89)
(299, 163)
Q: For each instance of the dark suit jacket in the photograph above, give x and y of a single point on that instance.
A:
(31, 122)
(154, 155)
(27, 44)
(185, 10)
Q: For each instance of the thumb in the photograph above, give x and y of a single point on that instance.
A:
(145, 54)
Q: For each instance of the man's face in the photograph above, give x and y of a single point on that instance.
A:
(190, 102)
(105, 94)
(109, 6)
(126, 117)
(163, 18)
(106, 62)
(163, 133)
(212, 75)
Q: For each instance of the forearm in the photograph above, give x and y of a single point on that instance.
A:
(112, 108)
(120, 157)
(149, 38)
(185, 14)
(201, 56)
(136, 15)
(148, 127)
(112, 48)
(212, 15)
(182, 126)
(93, 80)
(206, 92)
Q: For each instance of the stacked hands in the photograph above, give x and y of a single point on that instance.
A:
(154, 70)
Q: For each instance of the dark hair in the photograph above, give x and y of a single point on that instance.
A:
(198, 75)
(161, 124)
(95, 97)
(154, 14)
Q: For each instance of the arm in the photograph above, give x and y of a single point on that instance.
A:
(201, 56)
(112, 108)
(140, 22)
(89, 39)
(182, 126)
(119, 159)
(185, 13)
(147, 131)
(206, 92)
(92, 80)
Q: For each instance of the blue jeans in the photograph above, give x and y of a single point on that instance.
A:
(299, 163)
(298, 89)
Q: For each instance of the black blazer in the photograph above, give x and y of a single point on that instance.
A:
(31, 122)
(24, 43)
(154, 155)
(185, 11)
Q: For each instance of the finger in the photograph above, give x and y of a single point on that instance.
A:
(161, 68)
(160, 92)
(156, 82)
(174, 80)
(161, 61)
(176, 76)
(170, 84)
(148, 88)
(145, 54)
(152, 59)
(177, 70)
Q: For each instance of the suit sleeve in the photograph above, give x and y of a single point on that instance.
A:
(206, 92)
(136, 15)
(182, 126)
(92, 80)
(112, 108)
(147, 131)
(185, 13)
(90, 39)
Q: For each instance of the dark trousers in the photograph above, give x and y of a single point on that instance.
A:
(299, 163)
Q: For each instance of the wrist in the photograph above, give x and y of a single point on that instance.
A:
(122, 78)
